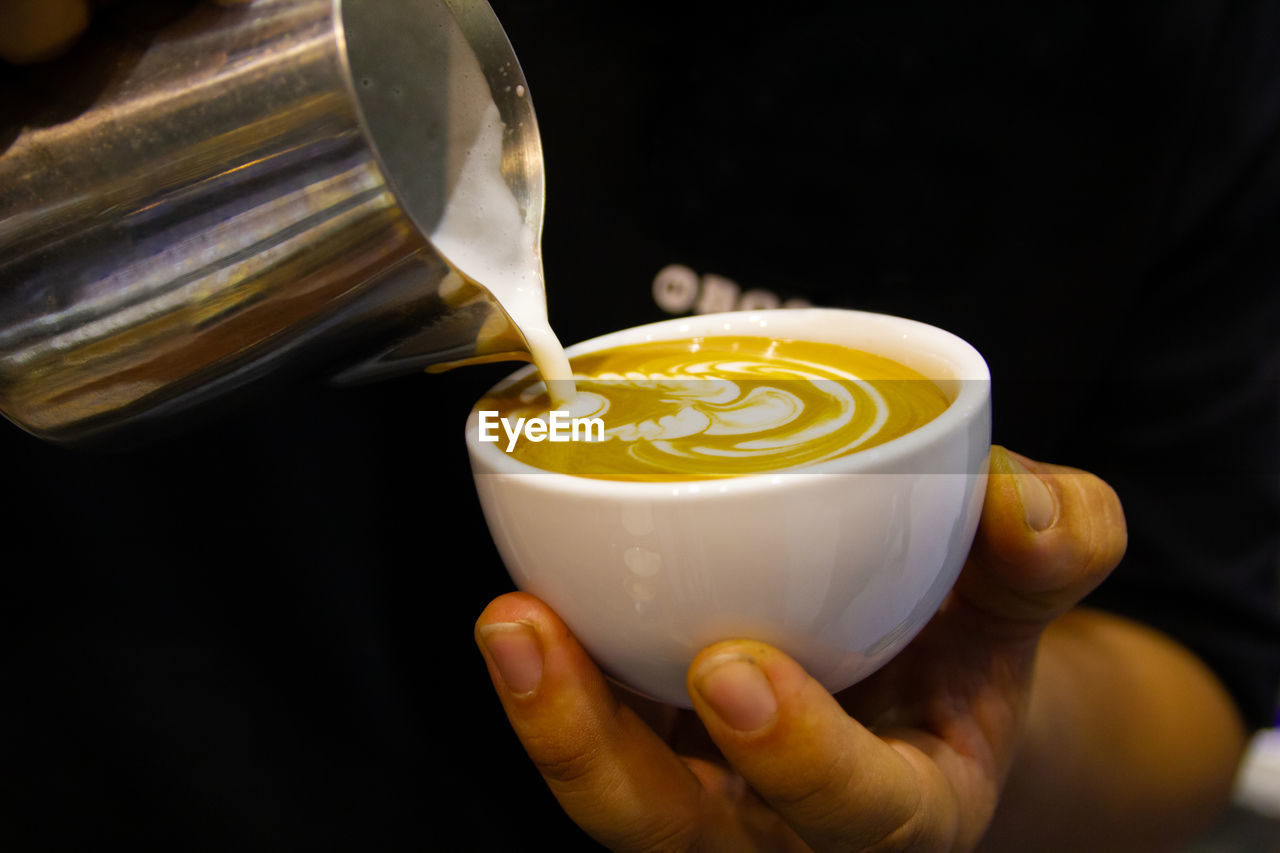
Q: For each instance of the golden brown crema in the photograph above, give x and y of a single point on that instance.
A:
(721, 406)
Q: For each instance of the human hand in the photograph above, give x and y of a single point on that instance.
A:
(912, 758)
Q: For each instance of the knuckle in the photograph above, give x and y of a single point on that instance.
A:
(819, 798)
(1115, 535)
(824, 810)
(1104, 539)
(818, 792)
(908, 835)
(670, 836)
(563, 764)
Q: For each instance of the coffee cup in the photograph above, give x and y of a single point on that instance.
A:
(838, 563)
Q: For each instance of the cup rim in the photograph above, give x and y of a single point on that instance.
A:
(970, 369)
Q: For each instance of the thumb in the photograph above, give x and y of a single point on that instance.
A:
(1048, 535)
(838, 785)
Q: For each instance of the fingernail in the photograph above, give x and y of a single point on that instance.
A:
(515, 651)
(1038, 504)
(739, 692)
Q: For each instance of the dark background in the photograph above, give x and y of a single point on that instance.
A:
(255, 632)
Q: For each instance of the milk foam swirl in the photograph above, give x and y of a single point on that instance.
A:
(724, 406)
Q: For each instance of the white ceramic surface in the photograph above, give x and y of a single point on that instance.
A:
(839, 564)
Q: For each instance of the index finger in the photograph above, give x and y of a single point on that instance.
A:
(610, 772)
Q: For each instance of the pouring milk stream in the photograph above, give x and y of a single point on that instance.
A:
(488, 238)
(483, 232)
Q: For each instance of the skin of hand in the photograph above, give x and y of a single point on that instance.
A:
(916, 756)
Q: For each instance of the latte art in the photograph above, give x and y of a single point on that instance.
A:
(719, 407)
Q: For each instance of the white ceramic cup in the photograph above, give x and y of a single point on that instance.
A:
(839, 563)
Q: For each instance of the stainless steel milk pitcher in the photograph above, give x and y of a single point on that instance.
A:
(249, 187)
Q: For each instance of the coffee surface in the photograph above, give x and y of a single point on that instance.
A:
(714, 407)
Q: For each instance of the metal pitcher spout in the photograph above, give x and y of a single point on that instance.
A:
(242, 190)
